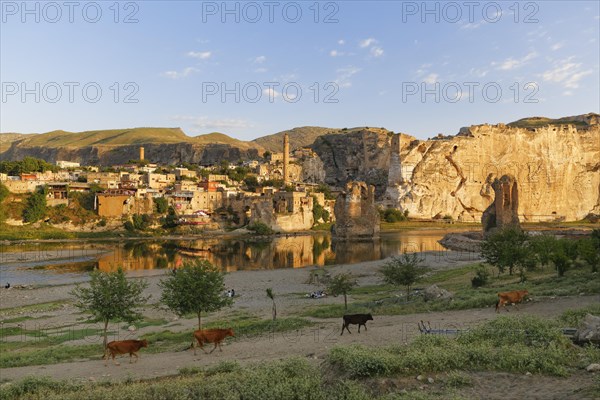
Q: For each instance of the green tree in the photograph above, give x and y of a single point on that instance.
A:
(589, 251)
(271, 295)
(392, 215)
(195, 288)
(161, 204)
(508, 248)
(251, 183)
(319, 212)
(342, 284)
(170, 219)
(4, 192)
(36, 206)
(111, 297)
(326, 190)
(260, 228)
(542, 247)
(403, 271)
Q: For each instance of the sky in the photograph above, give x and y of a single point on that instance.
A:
(249, 69)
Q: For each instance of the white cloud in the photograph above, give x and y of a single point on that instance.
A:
(200, 55)
(472, 25)
(479, 73)
(204, 123)
(335, 53)
(341, 42)
(557, 46)
(180, 74)
(376, 51)
(259, 60)
(431, 78)
(367, 42)
(271, 93)
(511, 63)
(566, 73)
(344, 75)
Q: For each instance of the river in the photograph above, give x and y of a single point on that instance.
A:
(52, 263)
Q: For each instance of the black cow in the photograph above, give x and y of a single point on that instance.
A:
(356, 319)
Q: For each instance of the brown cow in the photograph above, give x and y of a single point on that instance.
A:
(215, 336)
(514, 297)
(124, 347)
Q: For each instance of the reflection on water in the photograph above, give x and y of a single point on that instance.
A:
(34, 263)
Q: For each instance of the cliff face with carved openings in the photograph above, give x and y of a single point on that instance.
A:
(557, 168)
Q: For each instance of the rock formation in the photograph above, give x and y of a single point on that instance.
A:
(356, 215)
(557, 168)
(503, 212)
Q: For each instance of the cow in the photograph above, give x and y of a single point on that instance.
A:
(215, 336)
(123, 347)
(360, 319)
(514, 297)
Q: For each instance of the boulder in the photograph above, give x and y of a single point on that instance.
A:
(434, 292)
(589, 331)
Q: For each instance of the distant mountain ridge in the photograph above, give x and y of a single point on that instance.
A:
(172, 145)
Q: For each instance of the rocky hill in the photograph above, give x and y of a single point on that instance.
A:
(299, 137)
(557, 167)
(109, 147)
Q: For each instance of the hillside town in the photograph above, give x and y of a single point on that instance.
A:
(270, 191)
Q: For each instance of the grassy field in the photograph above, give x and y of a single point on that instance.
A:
(389, 300)
(508, 344)
(50, 345)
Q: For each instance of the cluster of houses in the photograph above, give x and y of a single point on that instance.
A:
(195, 199)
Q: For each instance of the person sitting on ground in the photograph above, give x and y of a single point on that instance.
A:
(7, 286)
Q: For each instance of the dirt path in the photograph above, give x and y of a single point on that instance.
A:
(312, 342)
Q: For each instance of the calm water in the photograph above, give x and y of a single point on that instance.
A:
(57, 263)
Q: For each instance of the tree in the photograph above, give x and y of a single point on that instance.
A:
(272, 297)
(589, 251)
(36, 207)
(342, 284)
(4, 192)
(543, 246)
(111, 297)
(508, 248)
(161, 204)
(195, 288)
(403, 271)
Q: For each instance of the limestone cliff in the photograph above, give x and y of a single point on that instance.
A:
(362, 155)
(557, 168)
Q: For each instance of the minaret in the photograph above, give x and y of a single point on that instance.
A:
(141, 154)
(286, 159)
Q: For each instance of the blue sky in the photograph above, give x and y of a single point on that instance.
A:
(412, 67)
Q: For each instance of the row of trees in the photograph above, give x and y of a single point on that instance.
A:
(194, 289)
(514, 250)
(404, 271)
(25, 166)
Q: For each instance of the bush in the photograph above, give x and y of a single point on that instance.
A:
(260, 228)
(36, 207)
(392, 215)
(525, 344)
(481, 277)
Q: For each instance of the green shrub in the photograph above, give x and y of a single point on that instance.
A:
(260, 228)
(392, 215)
(481, 277)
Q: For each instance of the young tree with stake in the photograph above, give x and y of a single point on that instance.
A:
(194, 289)
(111, 297)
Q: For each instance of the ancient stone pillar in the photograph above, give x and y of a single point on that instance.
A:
(503, 212)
